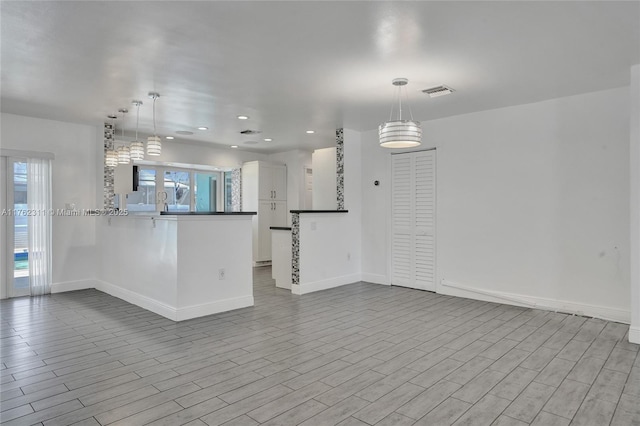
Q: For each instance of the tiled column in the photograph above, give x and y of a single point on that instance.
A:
(236, 190)
(295, 248)
(108, 188)
(340, 167)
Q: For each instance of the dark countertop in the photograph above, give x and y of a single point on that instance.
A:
(206, 213)
(280, 228)
(319, 211)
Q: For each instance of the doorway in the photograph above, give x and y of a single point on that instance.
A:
(413, 245)
(14, 227)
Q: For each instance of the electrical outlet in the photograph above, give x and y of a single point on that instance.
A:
(348, 256)
(221, 274)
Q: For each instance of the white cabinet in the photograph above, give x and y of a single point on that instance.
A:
(272, 181)
(264, 190)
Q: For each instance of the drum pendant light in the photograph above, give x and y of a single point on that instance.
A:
(136, 150)
(400, 133)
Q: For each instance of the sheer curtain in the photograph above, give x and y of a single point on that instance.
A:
(39, 224)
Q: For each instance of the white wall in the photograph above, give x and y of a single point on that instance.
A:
(532, 201)
(324, 194)
(195, 153)
(75, 180)
(296, 161)
(634, 331)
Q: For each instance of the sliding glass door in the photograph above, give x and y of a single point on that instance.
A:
(206, 191)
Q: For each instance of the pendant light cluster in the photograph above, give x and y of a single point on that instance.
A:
(400, 133)
(125, 153)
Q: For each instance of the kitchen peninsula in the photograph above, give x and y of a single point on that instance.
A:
(179, 265)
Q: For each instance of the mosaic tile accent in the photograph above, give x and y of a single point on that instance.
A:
(295, 248)
(340, 167)
(236, 190)
(108, 187)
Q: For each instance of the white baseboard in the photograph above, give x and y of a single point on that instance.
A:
(61, 287)
(375, 279)
(196, 311)
(138, 300)
(310, 287)
(286, 285)
(603, 312)
(167, 311)
(634, 335)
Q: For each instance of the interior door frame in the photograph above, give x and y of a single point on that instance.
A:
(4, 219)
(8, 223)
(389, 239)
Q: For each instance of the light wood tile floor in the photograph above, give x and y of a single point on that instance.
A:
(362, 354)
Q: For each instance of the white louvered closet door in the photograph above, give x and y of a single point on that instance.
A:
(413, 220)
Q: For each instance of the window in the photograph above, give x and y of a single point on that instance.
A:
(176, 190)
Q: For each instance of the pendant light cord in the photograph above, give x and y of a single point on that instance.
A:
(137, 119)
(400, 102)
(406, 94)
(399, 99)
(154, 115)
(113, 133)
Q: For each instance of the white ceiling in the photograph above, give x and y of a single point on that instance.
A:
(293, 66)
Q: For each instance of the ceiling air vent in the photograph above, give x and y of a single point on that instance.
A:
(436, 91)
(250, 132)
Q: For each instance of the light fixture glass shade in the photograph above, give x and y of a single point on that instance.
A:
(123, 155)
(136, 150)
(400, 134)
(154, 145)
(111, 158)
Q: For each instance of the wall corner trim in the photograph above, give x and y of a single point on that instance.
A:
(314, 286)
(65, 286)
(139, 300)
(375, 279)
(196, 311)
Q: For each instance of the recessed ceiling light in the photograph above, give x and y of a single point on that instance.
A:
(268, 139)
(243, 117)
(169, 137)
(234, 146)
(203, 128)
(310, 132)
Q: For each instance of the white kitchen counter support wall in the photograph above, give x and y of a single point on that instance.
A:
(179, 267)
(327, 246)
